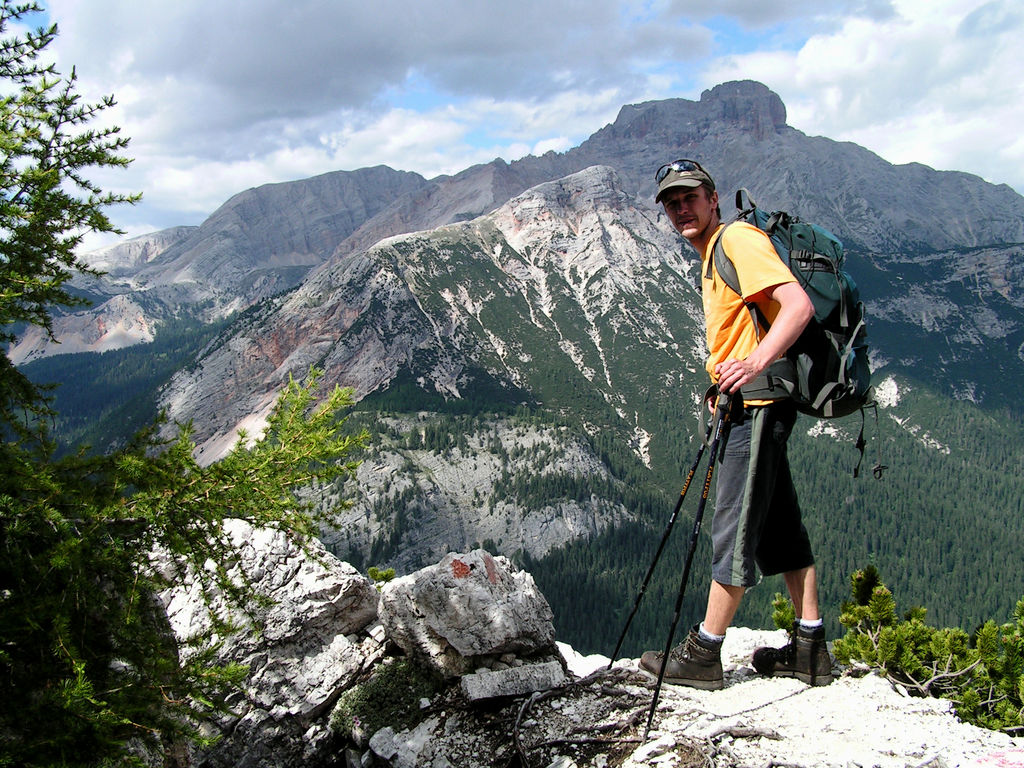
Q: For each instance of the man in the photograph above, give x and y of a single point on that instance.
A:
(757, 523)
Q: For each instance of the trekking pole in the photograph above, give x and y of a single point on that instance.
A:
(721, 416)
(664, 540)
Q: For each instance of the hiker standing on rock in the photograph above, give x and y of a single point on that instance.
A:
(757, 523)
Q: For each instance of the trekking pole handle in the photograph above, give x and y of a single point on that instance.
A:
(723, 405)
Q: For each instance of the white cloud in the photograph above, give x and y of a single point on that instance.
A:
(556, 144)
(938, 83)
(218, 97)
(403, 139)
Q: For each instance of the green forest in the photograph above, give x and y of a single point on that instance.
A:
(101, 399)
(939, 524)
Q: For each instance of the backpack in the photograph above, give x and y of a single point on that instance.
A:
(826, 371)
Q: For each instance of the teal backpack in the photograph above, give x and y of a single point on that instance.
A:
(826, 371)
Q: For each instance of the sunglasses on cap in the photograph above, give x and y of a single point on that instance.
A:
(679, 166)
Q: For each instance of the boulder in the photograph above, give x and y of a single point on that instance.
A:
(466, 612)
(303, 647)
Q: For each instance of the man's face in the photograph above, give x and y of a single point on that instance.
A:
(692, 211)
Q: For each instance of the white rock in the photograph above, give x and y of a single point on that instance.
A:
(515, 681)
(464, 608)
(301, 659)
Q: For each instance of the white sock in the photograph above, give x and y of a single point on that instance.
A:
(705, 635)
(810, 625)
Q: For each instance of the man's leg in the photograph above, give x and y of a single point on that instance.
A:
(697, 661)
(803, 590)
(723, 600)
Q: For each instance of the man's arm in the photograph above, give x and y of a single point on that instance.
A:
(795, 311)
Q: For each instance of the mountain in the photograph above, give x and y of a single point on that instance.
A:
(259, 243)
(568, 276)
(126, 258)
(264, 241)
(525, 342)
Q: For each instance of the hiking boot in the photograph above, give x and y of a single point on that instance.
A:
(693, 663)
(804, 657)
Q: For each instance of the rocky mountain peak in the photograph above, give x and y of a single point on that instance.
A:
(573, 248)
(750, 105)
(570, 214)
(744, 105)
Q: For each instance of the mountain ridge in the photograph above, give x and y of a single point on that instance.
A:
(255, 251)
(571, 310)
(320, 314)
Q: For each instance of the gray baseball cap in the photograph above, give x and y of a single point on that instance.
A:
(681, 173)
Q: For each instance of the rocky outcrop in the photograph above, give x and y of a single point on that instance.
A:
(434, 501)
(117, 323)
(467, 611)
(303, 649)
(748, 105)
(129, 256)
(320, 645)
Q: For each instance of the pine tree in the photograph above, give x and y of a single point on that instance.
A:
(87, 662)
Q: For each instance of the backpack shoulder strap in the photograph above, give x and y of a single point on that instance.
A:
(745, 206)
(723, 264)
(727, 272)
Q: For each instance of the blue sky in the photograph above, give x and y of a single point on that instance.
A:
(219, 95)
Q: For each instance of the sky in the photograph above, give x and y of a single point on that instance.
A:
(218, 96)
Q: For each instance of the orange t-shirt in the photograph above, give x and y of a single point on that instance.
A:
(731, 332)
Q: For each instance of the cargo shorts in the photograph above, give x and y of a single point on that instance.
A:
(757, 519)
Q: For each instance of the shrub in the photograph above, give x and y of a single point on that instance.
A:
(380, 576)
(982, 674)
(391, 696)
